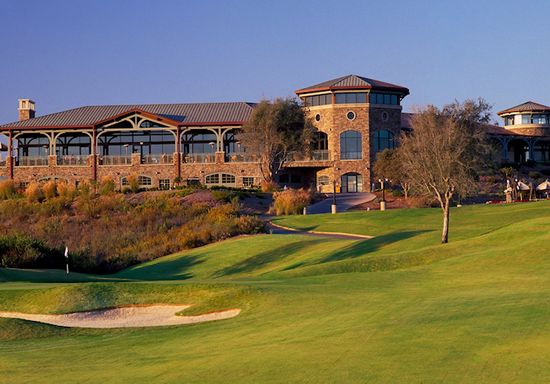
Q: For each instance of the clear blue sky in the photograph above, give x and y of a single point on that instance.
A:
(65, 54)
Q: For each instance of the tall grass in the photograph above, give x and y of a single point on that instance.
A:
(290, 202)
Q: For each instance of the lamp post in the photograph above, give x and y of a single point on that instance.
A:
(333, 206)
(383, 186)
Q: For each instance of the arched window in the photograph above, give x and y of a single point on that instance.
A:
(143, 181)
(383, 139)
(323, 180)
(224, 179)
(350, 145)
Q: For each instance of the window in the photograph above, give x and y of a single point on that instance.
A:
(312, 101)
(144, 181)
(384, 116)
(539, 119)
(317, 117)
(351, 98)
(228, 179)
(164, 183)
(383, 98)
(509, 120)
(213, 179)
(350, 145)
(124, 182)
(525, 119)
(248, 182)
(323, 180)
(383, 139)
(350, 115)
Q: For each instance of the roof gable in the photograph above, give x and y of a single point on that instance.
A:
(528, 106)
(230, 113)
(353, 81)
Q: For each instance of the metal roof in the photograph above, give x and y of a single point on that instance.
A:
(353, 81)
(529, 106)
(185, 114)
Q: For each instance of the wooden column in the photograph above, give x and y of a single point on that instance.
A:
(178, 154)
(10, 154)
(94, 156)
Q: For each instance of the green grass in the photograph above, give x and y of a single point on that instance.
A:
(400, 308)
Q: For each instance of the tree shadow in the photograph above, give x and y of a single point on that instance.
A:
(367, 246)
(264, 258)
(167, 270)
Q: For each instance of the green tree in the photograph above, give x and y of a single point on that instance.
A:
(274, 130)
(388, 165)
(445, 151)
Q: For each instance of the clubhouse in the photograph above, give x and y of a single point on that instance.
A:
(164, 144)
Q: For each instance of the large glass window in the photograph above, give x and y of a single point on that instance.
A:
(312, 101)
(351, 98)
(383, 139)
(350, 145)
(351, 182)
(525, 119)
(383, 98)
(33, 145)
(73, 144)
(123, 143)
(539, 119)
(199, 142)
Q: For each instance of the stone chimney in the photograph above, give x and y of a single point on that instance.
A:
(26, 109)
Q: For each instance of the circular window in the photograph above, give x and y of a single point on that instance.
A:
(384, 116)
(351, 115)
(317, 117)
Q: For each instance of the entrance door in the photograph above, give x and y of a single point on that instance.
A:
(352, 182)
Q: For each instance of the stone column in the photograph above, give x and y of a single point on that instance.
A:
(136, 158)
(52, 161)
(220, 157)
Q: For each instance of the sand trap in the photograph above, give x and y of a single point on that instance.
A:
(124, 317)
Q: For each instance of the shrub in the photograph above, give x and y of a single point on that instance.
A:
(22, 251)
(534, 175)
(34, 192)
(290, 202)
(269, 186)
(7, 190)
(107, 185)
(49, 189)
(133, 183)
(66, 190)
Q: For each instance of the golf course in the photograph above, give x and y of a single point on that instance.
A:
(397, 308)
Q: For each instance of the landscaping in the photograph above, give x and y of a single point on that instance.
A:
(399, 308)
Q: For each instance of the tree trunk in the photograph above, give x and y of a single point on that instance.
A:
(445, 231)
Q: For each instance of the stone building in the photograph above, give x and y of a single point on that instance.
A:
(162, 144)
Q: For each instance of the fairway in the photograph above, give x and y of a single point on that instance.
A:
(399, 308)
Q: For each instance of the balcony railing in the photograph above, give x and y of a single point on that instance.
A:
(76, 160)
(163, 158)
(317, 155)
(115, 160)
(198, 158)
(32, 161)
(241, 158)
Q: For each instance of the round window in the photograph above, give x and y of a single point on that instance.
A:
(317, 117)
(384, 116)
(351, 115)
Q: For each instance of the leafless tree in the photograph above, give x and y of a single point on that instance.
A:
(388, 165)
(445, 151)
(274, 130)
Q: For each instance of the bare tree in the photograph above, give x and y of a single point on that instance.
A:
(273, 131)
(445, 150)
(388, 165)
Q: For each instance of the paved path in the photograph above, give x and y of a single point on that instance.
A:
(280, 230)
(344, 201)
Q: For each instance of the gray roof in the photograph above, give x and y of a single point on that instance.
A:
(529, 106)
(185, 114)
(353, 81)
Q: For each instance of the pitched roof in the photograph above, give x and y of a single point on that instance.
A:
(529, 106)
(353, 82)
(186, 114)
(491, 129)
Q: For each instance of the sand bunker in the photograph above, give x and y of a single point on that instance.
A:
(124, 317)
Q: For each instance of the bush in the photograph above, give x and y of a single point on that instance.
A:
(21, 251)
(7, 190)
(534, 175)
(269, 186)
(107, 185)
(49, 189)
(133, 183)
(66, 190)
(290, 202)
(34, 193)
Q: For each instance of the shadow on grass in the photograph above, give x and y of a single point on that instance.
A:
(264, 258)
(363, 247)
(176, 269)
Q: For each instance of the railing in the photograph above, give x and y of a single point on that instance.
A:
(199, 158)
(31, 161)
(115, 160)
(78, 160)
(240, 157)
(163, 158)
(317, 155)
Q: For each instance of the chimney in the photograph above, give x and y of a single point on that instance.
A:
(26, 109)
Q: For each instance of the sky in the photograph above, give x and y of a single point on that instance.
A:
(66, 54)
